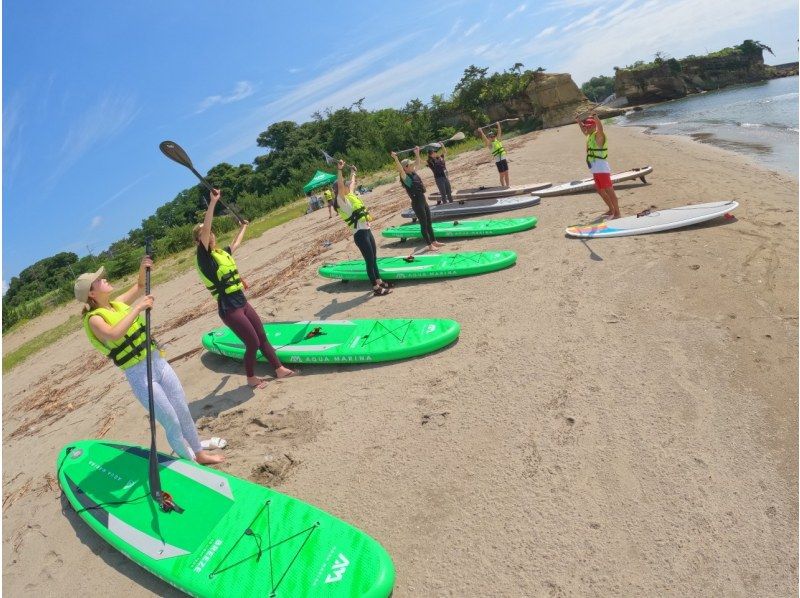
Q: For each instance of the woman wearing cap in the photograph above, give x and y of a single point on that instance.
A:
(412, 183)
(596, 160)
(218, 272)
(436, 156)
(495, 143)
(117, 329)
(352, 210)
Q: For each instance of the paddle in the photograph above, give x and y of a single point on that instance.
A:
(457, 137)
(162, 498)
(505, 120)
(176, 153)
(612, 99)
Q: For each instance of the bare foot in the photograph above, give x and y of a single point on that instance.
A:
(256, 382)
(433, 248)
(206, 458)
(284, 372)
(438, 244)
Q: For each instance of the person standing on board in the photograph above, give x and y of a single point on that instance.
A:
(494, 142)
(597, 161)
(116, 328)
(355, 214)
(412, 184)
(436, 163)
(218, 272)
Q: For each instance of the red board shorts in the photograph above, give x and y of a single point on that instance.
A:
(602, 180)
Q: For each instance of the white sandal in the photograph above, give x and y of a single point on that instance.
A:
(214, 443)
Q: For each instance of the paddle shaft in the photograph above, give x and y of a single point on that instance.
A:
(455, 137)
(505, 120)
(155, 480)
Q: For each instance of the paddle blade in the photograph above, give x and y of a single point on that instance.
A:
(175, 152)
(457, 137)
(329, 160)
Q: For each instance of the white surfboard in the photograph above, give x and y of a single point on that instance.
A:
(653, 221)
(583, 185)
(490, 192)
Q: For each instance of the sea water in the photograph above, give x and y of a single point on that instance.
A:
(759, 120)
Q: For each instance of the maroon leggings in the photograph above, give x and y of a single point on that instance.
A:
(246, 324)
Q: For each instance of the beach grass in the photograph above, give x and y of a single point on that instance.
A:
(40, 342)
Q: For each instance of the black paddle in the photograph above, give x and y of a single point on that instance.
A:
(161, 497)
(175, 152)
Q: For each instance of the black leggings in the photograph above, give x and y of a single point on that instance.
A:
(366, 244)
(423, 214)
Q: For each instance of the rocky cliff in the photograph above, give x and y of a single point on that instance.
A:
(671, 79)
(551, 97)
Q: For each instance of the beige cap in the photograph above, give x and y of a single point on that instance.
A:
(84, 284)
(406, 162)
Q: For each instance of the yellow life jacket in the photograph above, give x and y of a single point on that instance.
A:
(131, 348)
(227, 276)
(498, 151)
(593, 151)
(358, 214)
(328, 195)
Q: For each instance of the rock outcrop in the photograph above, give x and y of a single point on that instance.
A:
(554, 98)
(671, 79)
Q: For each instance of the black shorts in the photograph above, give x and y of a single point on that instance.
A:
(502, 165)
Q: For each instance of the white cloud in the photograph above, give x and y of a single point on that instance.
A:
(102, 121)
(634, 31)
(473, 28)
(294, 70)
(303, 99)
(242, 90)
(519, 9)
(592, 16)
(545, 32)
(96, 221)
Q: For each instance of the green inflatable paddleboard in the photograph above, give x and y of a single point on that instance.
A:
(233, 539)
(428, 265)
(464, 228)
(343, 341)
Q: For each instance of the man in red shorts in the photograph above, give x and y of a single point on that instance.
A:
(596, 160)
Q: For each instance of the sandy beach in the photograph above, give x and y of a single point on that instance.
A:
(618, 417)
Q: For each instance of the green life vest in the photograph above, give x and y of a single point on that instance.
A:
(593, 151)
(328, 195)
(359, 214)
(130, 349)
(498, 151)
(227, 279)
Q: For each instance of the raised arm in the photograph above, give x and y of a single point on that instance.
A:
(341, 188)
(239, 236)
(353, 178)
(600, 137)
(419, 162)
(499, 131)
(399, 166)
(137, 289)
(483, 135)
(205, 232)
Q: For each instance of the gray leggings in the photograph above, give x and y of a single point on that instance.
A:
(172, 412)
(445, 192)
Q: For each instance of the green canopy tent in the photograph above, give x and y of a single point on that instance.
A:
(320, 179)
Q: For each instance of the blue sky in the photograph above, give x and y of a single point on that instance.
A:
(90, 88)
